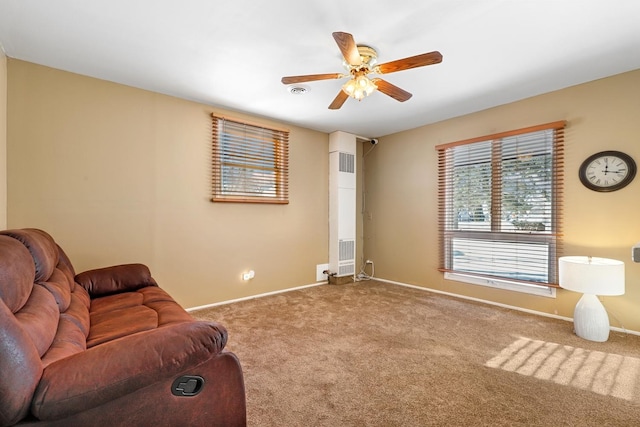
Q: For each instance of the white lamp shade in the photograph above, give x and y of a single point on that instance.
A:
(591, 275)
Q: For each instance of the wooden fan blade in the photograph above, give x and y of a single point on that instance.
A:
(393, 91)
(339, 100)
(411, 62)
(348, 47)
(311, 77)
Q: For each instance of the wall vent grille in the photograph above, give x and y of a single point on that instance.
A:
(347, 250)
(347, 163)
(346, 270)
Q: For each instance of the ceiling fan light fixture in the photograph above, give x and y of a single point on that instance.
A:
(359, 87)
(361, 60)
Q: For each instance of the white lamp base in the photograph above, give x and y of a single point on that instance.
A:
(590, 319)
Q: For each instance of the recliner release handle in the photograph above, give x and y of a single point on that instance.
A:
(187, 385)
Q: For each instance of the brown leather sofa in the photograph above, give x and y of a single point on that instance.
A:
(106, 347)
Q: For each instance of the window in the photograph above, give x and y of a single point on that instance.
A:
(250, 163)
(499, 208)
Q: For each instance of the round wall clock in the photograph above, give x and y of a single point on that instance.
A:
(607, 171)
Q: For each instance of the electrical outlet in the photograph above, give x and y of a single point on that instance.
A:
(320, 276)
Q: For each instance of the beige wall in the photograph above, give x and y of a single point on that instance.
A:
(119, 175)
(401, 185)
(3, 139)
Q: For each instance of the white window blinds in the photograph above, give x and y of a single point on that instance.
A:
(499, 204)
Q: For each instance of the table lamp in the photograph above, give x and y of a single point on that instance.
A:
(592, 276)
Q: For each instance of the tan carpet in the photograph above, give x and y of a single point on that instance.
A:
(377, 354)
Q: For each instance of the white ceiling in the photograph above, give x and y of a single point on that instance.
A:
(232, 54)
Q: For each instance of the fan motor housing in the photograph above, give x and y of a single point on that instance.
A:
(368, 56)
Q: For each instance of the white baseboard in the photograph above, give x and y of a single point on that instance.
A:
(512, 307)
(266, 294)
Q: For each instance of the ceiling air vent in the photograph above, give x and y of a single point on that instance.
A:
(297, 90)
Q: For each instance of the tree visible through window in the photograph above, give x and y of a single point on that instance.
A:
(250, 163)
(499, 205)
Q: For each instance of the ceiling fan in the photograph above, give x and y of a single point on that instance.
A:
(360, 61)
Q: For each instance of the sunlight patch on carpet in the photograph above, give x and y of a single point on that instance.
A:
(603, 373)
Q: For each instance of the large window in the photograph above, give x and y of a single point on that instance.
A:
(250, 162)
(499, 208)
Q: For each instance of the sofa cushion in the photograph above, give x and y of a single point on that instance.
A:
(78, 311)
(110, 325)
(42, 247)
(59, 286)
(69, 340)
(17, 273)
(116, 302)
(73, 329)
(64, 264)
(118, 315)
(169, 311)
(39, 318)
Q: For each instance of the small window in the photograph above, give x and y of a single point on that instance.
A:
(499, 207)
(250, 162)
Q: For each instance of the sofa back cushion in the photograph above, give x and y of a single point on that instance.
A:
(44, 316)
(20, 362)
(42, 247)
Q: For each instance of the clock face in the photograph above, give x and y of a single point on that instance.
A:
(607, 171)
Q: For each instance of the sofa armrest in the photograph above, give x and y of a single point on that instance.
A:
(121, 367)
(119, 278)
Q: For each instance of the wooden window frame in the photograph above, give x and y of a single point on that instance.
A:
(447, 232)
(251, 158)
